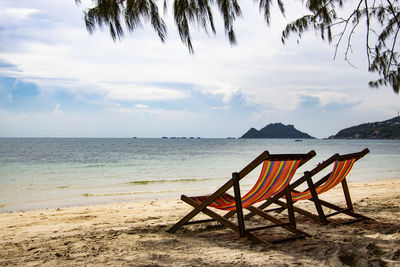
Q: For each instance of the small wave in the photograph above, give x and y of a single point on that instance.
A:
(127, 193)
(32, 187)
(392, 170)
(93, 165)
(146, 192)
(62, 187)
(143, 182)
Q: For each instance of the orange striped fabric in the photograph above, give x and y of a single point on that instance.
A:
(340, 170)
(274, 177)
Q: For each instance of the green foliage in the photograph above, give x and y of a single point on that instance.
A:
(389, 129)
(186, 13)
(133, 12)
(380, 17)
(382, 20)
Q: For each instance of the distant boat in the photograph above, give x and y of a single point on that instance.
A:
(164, 137)
(134, 137)
(298, 140)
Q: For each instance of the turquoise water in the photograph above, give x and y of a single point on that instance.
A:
(57, 172)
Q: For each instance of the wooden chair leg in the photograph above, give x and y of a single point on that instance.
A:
(315, 198)
(212, 214)
(289, 203)
(239, 209)
(347, 195)
(277, 222)
(300, 211)
(345, 211)
(220, 219)
(201, 207)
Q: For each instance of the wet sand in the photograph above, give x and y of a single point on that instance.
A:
(134, 234)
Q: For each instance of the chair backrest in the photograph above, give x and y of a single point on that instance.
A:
(339, 172)
(275, 175)
(276, 172)
(341, 168)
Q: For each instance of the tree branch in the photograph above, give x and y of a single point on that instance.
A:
(367, 34)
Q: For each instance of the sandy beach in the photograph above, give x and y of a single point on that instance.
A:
(134, 233)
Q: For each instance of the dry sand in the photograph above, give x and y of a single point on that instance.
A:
(134, 233)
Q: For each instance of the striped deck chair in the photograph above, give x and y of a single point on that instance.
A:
(342, 165)
(276, 172)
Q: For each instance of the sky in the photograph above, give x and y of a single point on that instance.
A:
(57, 80)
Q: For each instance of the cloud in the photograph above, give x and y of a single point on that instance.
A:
(135, 92)
(329, 99)
(221, 108)
(154, 85)
(13, 15)
(251, 69)
(8, 66)
(57, 109)
(142, 106)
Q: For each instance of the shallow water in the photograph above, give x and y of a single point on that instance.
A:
(56, 172)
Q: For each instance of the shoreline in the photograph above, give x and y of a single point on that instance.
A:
(134, 233)
(160, 196)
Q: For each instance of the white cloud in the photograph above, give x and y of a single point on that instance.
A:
(326, 98)
(133, 92)
(77, 61)
(221, 108)
(56, 53)
(226, 90)
(142, 106)
(57, 109)
(13, 15)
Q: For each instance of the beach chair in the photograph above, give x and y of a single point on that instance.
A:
(276, 172)
(342, 165)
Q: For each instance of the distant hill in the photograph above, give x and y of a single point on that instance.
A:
(389, 129)
(276, 130)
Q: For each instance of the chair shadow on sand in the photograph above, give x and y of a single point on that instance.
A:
(365, 243)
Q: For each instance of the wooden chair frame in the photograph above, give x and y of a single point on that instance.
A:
(319, 203)
(234, 182)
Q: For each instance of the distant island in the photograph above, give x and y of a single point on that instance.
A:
(389, 129)
(276, 130)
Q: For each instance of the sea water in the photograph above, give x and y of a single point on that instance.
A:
(58, 172)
